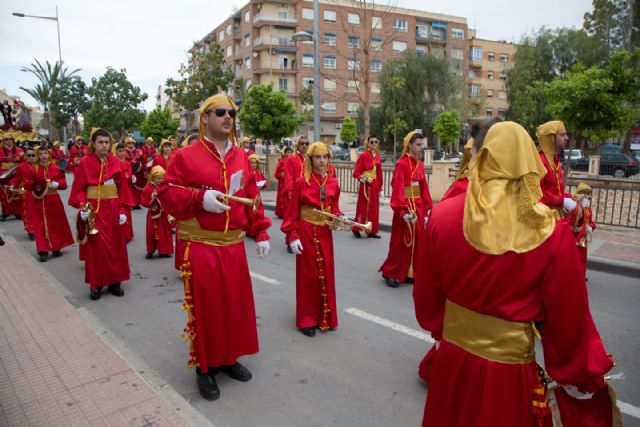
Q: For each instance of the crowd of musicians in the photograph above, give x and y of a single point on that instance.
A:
(497, 263)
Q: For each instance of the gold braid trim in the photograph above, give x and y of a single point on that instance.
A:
(189, 331)
(324, 324)
(530, 194)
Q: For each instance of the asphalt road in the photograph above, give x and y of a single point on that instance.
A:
(362, 374)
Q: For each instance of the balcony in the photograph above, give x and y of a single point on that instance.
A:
(281, 19)
(280, 44)
(474, 63)
(237, 34)
(276, 69)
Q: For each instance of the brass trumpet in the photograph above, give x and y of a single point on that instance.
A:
(254, 203)
(338, 223)
(91, 220)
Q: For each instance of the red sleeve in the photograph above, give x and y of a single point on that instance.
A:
(180, 202)
(292, 213)
(289, 176)
(359, 166)
(78, 196)
(145, 197)
(399, 202)
(427, 203)
(279, 175)
(59, 177)
(259, 222)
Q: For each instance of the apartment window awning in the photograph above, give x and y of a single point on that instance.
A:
(438, 24)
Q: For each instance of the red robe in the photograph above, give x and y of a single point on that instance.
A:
(368, 208)
(408, 172)
(458, 187)
(293, 170)
(280, 199)
(468, 390)
(161, 161)
(8, 159)
(578, 220)
(138, 165)
(158, 228)
(75, 155)
(106, 258)
(127, 227)
(552, 184)
(56, 155)
(218, 291)
(149, 151)
(52, 231)
(21, 180)
(316, 260)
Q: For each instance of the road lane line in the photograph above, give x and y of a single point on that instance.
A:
(265, 279)
(625, 408)
(391, 325)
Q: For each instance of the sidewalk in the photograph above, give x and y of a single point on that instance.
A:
(56, 370)
(613, 249)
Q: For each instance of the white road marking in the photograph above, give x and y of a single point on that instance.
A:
(625, 408)
(265, 279)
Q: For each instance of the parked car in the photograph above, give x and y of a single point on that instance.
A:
(339, 153)
(383, 155)
(575, 154)
(610, 148)
(616, 164)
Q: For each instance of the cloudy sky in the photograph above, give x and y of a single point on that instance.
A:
(150, 37)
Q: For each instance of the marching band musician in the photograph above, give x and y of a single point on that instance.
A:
(368, 170)
(127, 227)
(312, 241)
(158, 227)
(149, 150)
(411, 204)
(100, 192)
(219, 301)
(10, 157)
(56, 153)
(20, 181)
(165, 154)
(293, 170)
(581, 221)
(285, 153)
(261, 181)
(76, 153)
(138, 169)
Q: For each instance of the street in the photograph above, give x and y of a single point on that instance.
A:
(362, 374)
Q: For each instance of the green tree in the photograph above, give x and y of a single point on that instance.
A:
(349, 132)
(447, 127)
(158, 124)
(71, 100)
(267, 114)
(615, 23)
(114, 103)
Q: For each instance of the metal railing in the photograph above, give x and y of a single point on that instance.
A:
(615, 202)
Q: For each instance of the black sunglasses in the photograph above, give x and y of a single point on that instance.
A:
(220, 112)
(31, 155)
(373, 141)
(303, 143)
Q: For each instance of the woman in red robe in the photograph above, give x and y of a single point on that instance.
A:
(368, 170)
(127, 227)
(138, 164)
(312, 241)
(158, 228)
(411, 204)
(52, 231)
(57, 154)
(21, 179)
(518, 267)
(100, 181)
(279, 175)
(165, 155)
(10, 156)
(76, 153)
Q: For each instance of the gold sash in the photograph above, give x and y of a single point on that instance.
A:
(315, 218)
(488, 337)
(370, 175)
(191, 231)
(7, 165)
(108, 191)
(408, 191)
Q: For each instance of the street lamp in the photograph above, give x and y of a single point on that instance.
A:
(307, 36)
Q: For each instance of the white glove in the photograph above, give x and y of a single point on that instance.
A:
(382, 195)
(408, 218)
(437, 344)
(263, 248)
(210, 203)
(54, 184)
(589, 229)
(133, 179)
(363, 179)
(84, 215)
(296, 247)
(586, 203)
(261, 184)
(575, 393)
(569, 204)
(123, 219)
(426, 220)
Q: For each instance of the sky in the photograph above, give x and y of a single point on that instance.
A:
(150, 38)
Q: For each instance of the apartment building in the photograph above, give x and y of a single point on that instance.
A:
(258, 46)
(489, 62)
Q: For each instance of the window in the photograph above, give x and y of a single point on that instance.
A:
(353, 64)
(283, 84)
(329, 107)
(376, 43)
(503, 77)
(307, 60)
(420, 50)
(399, 46)
(247, 63)
(247, 16)
(436, 33)
(491, 56)
(476, 54)
(375, 87)
(457, 54)
(330, 39)
(352, 86)
(376, 66)
(502, 94)
(489, 112)
(400, 25)
(307, 14)
(227, 30)
(307, 82)
(422, 31)
(283, 14)
(502, 112)
(504, 58)
(353, 19)
(457, 33)
(473, 75)
(329, 16)
(352, 107)
(330, 85)
(490, 75)
(376, 22)
(229, 50)
(489, 93)
(247, 40)
(353, 42)
(330, 62)
(221, 35)
(474, 90)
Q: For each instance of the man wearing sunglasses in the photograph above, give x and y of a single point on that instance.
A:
(368, 170)
(10, 157)
(221, 324)
(138, 164)
(22, 179)
(293, 169)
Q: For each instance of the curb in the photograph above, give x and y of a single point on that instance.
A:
(593, 263)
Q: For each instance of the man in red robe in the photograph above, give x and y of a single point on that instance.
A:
(279, 175)
(219, 302)
(158, 227)
(10, 157)
(552, 139)
(411, 204)
(127, 227)
(138, 164)
(518, 266)
(149, 150)
(76, 153)
(21, 180)
(293, 169)
(368, 170)
(100, 183)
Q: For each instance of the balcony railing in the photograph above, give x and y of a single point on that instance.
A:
(280, 19)
(273, 41)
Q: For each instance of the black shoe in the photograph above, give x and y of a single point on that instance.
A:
(289, 249)
(310, 332)
(409, 280)
(95, 293)
(31, 236)
(373, 236)
(43, 256)
(164, 256)
(207, 386)
(391, 282)
(116, 290)
(136, 207)
(237, 372)
(149, 255)
(356, 233)
(57, 253)
(3, 218)
(18, 216)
